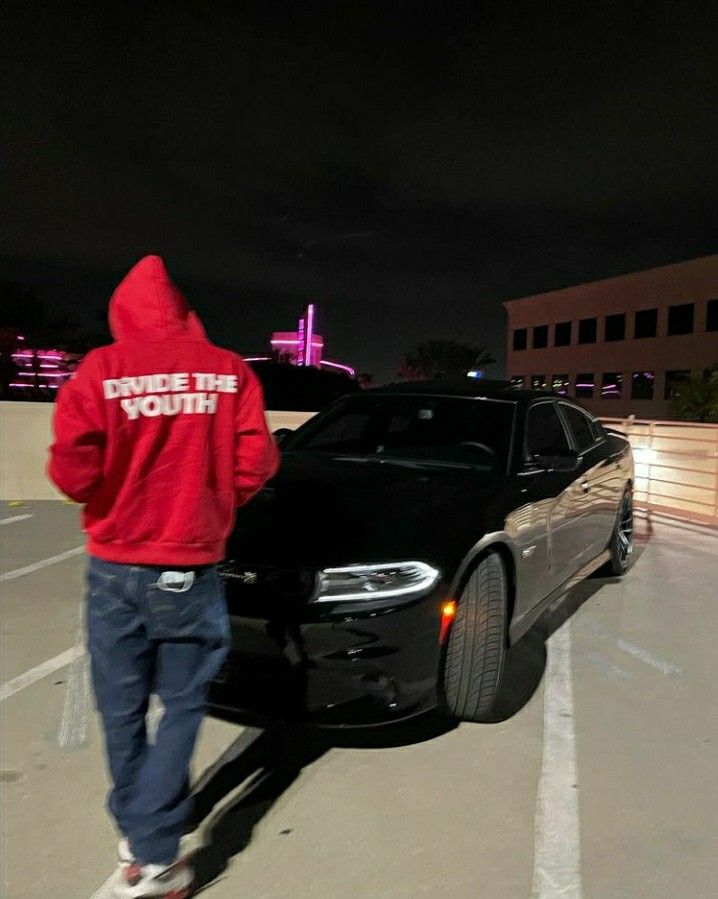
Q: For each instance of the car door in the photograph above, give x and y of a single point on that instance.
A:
(595, 507)
(552, 495)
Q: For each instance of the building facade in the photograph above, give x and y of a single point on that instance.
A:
(620, 346)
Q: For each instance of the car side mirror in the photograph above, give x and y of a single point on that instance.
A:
(551, 460)
(281, 434)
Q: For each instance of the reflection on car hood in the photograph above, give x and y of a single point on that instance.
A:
(324, 510)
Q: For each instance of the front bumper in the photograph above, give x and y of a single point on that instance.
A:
(337, 666)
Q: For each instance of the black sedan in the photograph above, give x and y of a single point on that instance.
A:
(413, 534)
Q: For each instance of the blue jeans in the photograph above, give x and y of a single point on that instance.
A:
(149, 632)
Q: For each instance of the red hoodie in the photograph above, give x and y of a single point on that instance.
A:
(161, 434)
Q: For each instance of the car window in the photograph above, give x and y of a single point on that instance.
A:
(580, 425)
(345, 433)
(599, 432)
(545, 434)
(464, 431)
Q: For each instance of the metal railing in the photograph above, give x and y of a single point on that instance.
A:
(676, 466)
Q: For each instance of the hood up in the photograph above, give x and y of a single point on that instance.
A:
(147, 304)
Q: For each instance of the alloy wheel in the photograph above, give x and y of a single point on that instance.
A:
(625, 528)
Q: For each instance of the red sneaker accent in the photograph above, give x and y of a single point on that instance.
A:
(133, 874)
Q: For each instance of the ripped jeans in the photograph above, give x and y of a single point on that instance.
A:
(153, 631)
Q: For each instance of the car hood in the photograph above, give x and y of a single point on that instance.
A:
(325, 511)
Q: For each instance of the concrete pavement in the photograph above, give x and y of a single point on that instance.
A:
(597, 779)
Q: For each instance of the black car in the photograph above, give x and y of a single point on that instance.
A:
(413, 534)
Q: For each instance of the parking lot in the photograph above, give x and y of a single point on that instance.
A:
(598, 778)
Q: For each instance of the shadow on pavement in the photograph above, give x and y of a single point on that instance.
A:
(526, 659)
(265, 762)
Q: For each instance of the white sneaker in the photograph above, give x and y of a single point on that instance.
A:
(124, 853)
(156, 881)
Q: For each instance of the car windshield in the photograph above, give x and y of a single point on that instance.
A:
(466, 431)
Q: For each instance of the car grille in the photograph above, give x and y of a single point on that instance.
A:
(246, 583)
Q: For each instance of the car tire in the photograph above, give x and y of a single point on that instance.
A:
(477, 643)
(621, 545)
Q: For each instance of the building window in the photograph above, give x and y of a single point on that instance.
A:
(560, 384)
(612, 385)
(520, 338)
(584, 385)
(538, 382)
(587, 330)
(646, 323)
(642, 385)
(712, 315)
(518, 381)
(616, 327)
(674, 379)
(540, 337)
(562, 334)
(680, 319)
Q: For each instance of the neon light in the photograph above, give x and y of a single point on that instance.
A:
(56, 356)
(283, 342)
(346, 368)
(309, 335)
(300, 348)
(256, 358)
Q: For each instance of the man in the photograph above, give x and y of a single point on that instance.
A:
(162, 435)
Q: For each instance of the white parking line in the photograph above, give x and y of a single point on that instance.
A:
(14, 518)
(557, 842)
(9, 688)
(43, 563)
(638, 652)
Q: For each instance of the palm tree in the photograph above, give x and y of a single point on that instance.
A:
(696, 399)
(442, 359)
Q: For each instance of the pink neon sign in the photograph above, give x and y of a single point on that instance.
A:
(309, 334)
(304, 347)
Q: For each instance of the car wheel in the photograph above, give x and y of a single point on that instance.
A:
(621, 545)
(476, 648)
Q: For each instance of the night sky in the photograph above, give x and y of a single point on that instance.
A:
(406, 165)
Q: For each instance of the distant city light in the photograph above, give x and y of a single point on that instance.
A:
(474, 374)
(41, 369)
(304, 347)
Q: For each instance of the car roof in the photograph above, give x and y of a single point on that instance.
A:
(470, 387)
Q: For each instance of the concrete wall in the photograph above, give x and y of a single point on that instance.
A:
(676, 463)
(695, 281)
(25, 434)
(676, 467)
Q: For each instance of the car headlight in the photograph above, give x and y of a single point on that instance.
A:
(375, 581)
